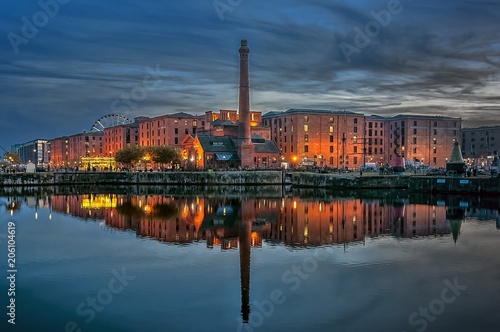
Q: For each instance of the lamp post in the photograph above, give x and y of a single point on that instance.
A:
(343, 152)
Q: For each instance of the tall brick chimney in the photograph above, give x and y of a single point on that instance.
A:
(246, 149)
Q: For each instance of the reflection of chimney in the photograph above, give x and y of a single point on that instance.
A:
(244, 98)
(245, 239)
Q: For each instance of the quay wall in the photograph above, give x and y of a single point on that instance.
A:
(235, 179)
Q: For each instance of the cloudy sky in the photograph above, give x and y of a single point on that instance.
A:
(61, 71)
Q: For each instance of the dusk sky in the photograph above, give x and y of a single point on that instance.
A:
(59, 72)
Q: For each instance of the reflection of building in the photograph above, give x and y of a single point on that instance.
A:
(344, 221)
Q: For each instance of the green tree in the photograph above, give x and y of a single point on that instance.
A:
(12, 157)
(129, 156)
(165, 155)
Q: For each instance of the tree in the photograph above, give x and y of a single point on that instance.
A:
(12, 157)
(165, 155)
(129, 156)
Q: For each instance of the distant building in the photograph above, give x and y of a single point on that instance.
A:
(480, 145)
(36, 152)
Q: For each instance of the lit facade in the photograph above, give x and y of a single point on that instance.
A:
(340, 139)
(120, 137)
(169, 130)
(36, 152)
(328, 138)
(59, 151)
(225, 123)
(425, 139)
(86, 144)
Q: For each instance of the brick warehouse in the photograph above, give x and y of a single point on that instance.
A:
(346, 139)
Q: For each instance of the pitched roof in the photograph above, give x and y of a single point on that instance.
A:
(217, 144)
(308, 111)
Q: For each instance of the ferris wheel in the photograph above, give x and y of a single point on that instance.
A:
(110, 120)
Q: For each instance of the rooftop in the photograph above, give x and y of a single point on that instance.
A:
(309, 111)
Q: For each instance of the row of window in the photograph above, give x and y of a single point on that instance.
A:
(176, 122)
(482, 139)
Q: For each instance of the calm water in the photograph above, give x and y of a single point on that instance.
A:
(307, 261)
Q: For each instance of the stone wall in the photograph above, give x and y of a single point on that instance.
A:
(199, 181)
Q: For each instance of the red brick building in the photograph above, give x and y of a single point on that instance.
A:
(326, 137)
(119, 137)
(346, 139)
(86, 144)
(425, 139)
(169, 129)
(59, 151)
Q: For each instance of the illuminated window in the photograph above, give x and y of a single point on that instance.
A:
(306, 128)
(331, 129)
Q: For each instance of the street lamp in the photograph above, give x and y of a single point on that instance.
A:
(343, 150)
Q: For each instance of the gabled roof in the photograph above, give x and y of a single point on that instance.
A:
(267, 147)
(217, 144)
(220, 122)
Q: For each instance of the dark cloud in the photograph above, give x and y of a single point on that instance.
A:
(432, 58)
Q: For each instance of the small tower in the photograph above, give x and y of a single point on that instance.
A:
(456, 165)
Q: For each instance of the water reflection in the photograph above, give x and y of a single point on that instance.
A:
(243, 223)
(290, 220)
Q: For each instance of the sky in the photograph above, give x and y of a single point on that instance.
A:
(66, 63)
